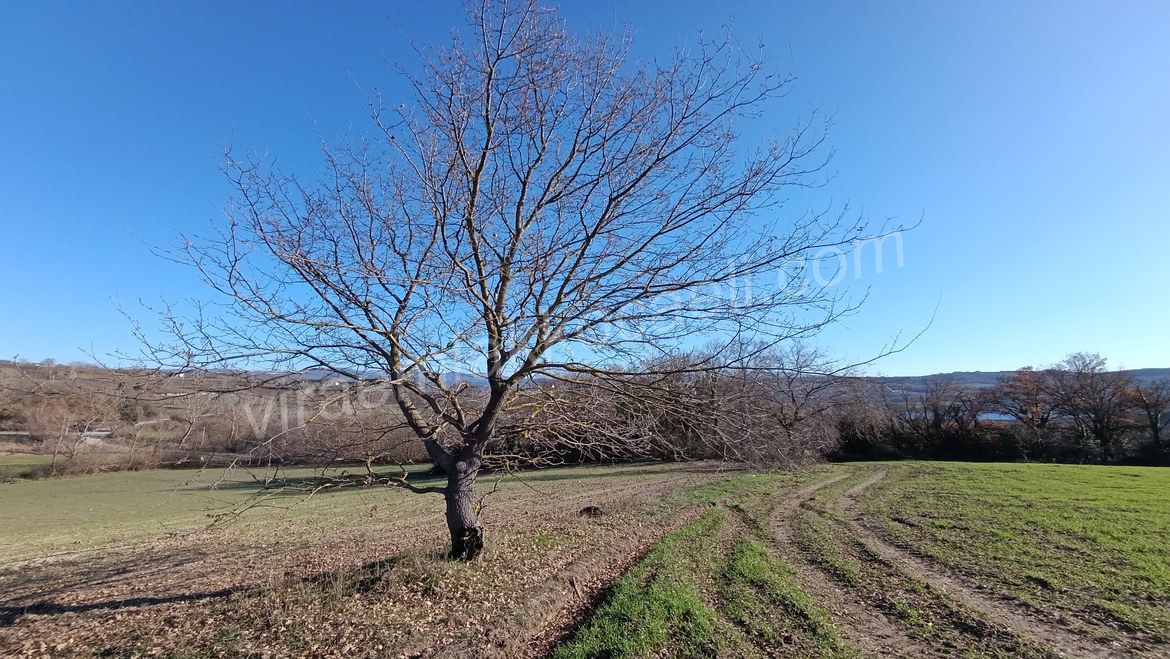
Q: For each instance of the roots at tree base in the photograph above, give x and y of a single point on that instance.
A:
(467, 543)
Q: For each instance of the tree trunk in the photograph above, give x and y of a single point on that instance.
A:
(466, 532)
(1105, 438)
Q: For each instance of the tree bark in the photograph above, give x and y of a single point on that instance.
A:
(1104, 437)
(467, 536)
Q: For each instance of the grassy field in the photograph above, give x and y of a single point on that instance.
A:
(125, 563)
(13, 466)
(713, 588)
(907, 559)
(896, 559)
(1086, 542)
(92, 512)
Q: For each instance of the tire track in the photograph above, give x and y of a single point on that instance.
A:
(1022, 620)
(862, 626)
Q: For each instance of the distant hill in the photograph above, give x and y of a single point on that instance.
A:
(910, 383)
(982, 379)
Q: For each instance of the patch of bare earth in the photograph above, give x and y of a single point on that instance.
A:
(375, 588)
(864, 628)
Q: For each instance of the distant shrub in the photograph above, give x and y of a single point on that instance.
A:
(89, 463)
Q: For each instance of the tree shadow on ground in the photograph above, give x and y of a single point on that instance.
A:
(352, 580)
(46, 590)
(10, 614)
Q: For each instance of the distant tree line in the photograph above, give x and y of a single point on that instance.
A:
(90, 419)
(1076, 411)
(781, 407)
(774, 409)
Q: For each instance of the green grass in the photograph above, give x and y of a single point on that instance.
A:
(1092, 540)
(19, 465)
(1087, 543)
(50, 516)
(813, 535)
(923, 612)
(712, 588)
(762, 596)
(41, 517)
(659, 604)
(719, 490)
(356, 568)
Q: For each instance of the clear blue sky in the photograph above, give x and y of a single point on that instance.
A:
(1033, 139)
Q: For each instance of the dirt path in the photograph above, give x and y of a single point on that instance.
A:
(863, 627)
(1024, 621)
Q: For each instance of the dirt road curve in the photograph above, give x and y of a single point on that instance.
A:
(1036, 628)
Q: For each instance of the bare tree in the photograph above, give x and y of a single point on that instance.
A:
(1093, 397)
(65, 407)
(938, 404)
(1026, 396)
(788, 399)
(771, 408)
(546, 206)
(1153, 402)
(968, 407)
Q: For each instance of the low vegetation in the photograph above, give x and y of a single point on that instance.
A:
(1076, 411)
(713, 587)
(125, 563)
(919, 613)
(20, 465)
(931, 559)
(1088, 544)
